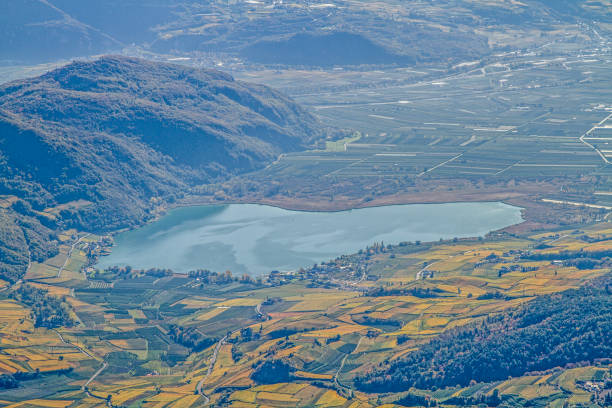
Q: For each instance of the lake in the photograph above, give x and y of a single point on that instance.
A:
(256, 239)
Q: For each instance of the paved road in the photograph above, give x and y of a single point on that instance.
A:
(352, 285)
(85, 387)
(70, 254)
(211, 365)
(82, 350)
(419, 274)
(346, 389)
(588, 133)
(260, 313)
(93, 377)
(440, 165)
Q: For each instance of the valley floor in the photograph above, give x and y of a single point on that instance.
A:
(157, 339)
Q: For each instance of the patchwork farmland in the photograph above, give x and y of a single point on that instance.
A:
(126, 346)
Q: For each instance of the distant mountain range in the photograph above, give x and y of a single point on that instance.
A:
(119, 132)
(299, 32)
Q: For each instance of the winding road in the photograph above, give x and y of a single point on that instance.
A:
(352, 285)
(89, 394)
(211, 365)
(213, 358)
(341, 386)
(85, 387)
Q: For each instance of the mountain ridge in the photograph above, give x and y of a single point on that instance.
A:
(46, 30)
(119, 132)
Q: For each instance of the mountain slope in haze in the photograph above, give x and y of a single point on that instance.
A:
(35, 30)
(325, 50)
(118, 132)
(128, 21)
(383, 32)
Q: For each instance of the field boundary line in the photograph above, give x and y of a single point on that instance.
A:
(441, 164)
(605, 159)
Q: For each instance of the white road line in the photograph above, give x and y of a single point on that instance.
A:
(211, 365)
(440, 165)
(601, 207)
(605, 159)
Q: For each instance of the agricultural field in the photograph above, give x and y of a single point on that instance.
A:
(140, 340)
(522, 126)
(503, 121)
(463, 100)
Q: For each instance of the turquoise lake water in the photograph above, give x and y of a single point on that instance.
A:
(256, 239)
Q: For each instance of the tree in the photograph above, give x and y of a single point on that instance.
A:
(273, 371)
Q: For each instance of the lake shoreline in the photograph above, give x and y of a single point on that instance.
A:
(319, 204)
(255, 238)
(297, 204)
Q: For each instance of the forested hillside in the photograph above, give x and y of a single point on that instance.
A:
(551, 331)
(99, 140)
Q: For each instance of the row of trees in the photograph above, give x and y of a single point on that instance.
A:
(216, 278)
(8, 381)
(566, 255)
(416, 291)
(578, 259)
(127, 272)
(491, 400)
(415, 400)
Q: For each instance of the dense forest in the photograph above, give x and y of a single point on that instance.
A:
(273, 371)
(47, 310)
(8, 381)
(23, 237)
(551, 331)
